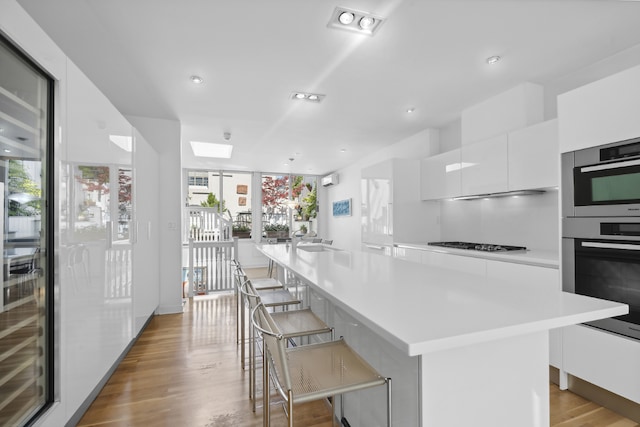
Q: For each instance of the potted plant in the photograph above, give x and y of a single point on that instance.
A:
(241, 231)
(276, 230)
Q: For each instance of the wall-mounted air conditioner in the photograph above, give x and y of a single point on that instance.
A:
(330, 180)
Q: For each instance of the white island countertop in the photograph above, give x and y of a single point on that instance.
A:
(421, 309)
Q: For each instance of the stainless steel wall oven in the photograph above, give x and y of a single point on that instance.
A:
(601, 258)
(601, 228)
(602, 181)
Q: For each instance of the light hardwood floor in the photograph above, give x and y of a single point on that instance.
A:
(184, 370)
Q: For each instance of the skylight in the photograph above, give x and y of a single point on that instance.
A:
(210, 149)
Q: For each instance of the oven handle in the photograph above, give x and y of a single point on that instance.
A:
(625, 246)
(610, 166)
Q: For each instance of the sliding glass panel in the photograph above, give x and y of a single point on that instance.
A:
(237, 198)
(25, 312)
(275, 200)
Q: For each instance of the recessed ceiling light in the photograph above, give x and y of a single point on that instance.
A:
(346, 18)
(209, 149)
(343, 150)
(305, 96)
(493, 59)
(366, 22)
(196, 79)
(411, 110)
(6, 150)
(352, 20)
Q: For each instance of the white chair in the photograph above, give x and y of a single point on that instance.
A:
(310, 372)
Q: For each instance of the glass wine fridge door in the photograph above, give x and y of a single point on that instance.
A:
(25, 300)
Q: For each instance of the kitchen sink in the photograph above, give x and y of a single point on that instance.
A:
(314, 247)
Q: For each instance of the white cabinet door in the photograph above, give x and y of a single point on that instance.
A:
(601, 112)
(484, 166)
(606, 360)
(534, 157)
(377, 203)
(440, 176)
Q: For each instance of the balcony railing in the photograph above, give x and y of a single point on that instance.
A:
(210, 268)
(205, 225)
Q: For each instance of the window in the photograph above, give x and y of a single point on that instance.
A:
(26, 327)
(198, 179)
(227, 194)
(289, 205)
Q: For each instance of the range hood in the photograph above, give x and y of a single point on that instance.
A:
(504, 194)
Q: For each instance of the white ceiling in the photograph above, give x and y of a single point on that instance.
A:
(252, 54)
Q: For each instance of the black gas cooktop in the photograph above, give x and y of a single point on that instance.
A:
(486, 247)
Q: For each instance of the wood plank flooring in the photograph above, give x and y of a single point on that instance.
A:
(185, 371)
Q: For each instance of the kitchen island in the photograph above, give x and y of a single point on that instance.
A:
(478, 347)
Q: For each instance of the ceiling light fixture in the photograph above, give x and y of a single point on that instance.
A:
(346, 18)
(196, 79)
(352, 20)
(305, 96)
(411, 110)
(366, 22)
(493, 59)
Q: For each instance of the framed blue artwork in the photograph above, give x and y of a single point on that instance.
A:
(342, 208)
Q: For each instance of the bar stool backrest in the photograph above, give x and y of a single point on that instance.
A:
(275, 344)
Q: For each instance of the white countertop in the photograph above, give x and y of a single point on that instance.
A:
(421, 309)
(530, 257)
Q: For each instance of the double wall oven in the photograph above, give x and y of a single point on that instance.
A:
(601, 228)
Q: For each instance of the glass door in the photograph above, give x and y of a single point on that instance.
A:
(25, 300)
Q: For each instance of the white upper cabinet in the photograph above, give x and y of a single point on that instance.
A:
(534, 157)
(484, 166)
(516, 108)
(440, 176)
(599, 113)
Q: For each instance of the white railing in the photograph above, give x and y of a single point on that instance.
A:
(210, 268)
(118, 265)
(205, 225)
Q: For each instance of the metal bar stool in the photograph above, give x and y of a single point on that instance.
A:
(271, 298)
(261, 284)
(310, 372)
(292, 324)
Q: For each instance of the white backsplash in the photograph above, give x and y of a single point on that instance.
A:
(531, 221)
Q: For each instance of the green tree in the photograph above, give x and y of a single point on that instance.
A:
(213, 202)
(310, 203)
(21, 183)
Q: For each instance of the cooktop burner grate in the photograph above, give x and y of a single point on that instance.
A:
(486, 247)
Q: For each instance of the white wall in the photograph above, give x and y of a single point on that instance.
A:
(164, 135)
(146, 295)
(346, 231)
